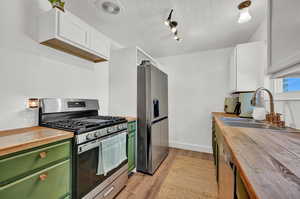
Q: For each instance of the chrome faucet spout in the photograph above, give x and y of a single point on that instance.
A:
(253, 101)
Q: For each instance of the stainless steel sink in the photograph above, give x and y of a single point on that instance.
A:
(250, 123)
(237, 119)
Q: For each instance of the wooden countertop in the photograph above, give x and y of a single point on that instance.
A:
(130, 119)
(269, 161)
(20, 139)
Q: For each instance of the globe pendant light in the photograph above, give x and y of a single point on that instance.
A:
(244, 12)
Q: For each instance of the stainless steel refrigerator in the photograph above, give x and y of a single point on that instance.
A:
(153, 123)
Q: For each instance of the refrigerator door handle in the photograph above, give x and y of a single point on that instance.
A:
(155, 108)
(158, 120)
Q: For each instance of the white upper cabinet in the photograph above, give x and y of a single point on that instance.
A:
(247, 66)
(99, 43)
(233, 71)
(66, 32)
(73, 29)
(283, 37)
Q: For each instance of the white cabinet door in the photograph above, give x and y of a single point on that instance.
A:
(283, 35)
(233, 71)
(73, 29)
(99, 43)
(250, 66)
(247, 66)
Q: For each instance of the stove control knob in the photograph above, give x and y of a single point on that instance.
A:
(103, 132)
(120, 126)
(90, 136)
(97, 134)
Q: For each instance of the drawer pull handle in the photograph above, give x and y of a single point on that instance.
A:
(43, 177)
(109, 191)
(43, 155)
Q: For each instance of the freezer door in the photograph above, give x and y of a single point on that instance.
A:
(155, 148)
(159, 143)
(164, 136)
(159, 94)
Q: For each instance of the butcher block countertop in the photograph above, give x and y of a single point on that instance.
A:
(21, 139)
(131, 119)
(269, 161)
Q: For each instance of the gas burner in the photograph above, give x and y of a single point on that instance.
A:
(80, 125)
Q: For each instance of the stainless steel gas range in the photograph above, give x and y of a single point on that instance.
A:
(99, 146)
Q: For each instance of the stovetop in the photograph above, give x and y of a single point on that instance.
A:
(84, 124)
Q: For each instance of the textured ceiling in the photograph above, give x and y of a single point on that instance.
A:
(203, 24)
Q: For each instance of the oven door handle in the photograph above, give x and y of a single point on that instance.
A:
(95, 143)
(109, 191)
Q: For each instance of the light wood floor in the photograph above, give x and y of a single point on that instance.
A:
(141, 186)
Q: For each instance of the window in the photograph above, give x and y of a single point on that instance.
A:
(287, 88)
(287, 85)
(290, 84)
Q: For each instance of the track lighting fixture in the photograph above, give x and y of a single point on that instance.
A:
(168, 21)
(176, 36)
(172, 25)
(244, 12)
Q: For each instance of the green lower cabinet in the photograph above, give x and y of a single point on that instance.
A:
(17, 165)
(43, 172)
(131, 146)
(50, 183)
(131, 126)
(241, 192)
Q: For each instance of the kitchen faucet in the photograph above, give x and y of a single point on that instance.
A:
(253, 101)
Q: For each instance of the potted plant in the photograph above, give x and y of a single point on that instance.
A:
(58, 4)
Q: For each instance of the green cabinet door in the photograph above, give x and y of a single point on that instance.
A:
(131, 126)
(21, 164)
(241, 191)
(50, 183)
(131, 146)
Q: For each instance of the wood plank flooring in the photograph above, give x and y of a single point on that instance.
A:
(141, 186)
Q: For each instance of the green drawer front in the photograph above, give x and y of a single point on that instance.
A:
(18, 165)
(241, 191)
(56, 185)
(131, 151)
(131, 126)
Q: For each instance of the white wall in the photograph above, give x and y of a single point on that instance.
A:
(261, 33)
(198, 84)
(290, 109)
(123, 82)
(28, 69)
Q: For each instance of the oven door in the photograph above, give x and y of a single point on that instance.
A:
(86, 169)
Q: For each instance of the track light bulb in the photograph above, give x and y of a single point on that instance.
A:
(244, 16)
(244, 11)
(167, 22)
(174, 29)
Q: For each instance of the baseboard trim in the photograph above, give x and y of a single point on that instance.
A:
(191, 147)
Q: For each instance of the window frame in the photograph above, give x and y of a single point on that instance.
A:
(279, 95)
